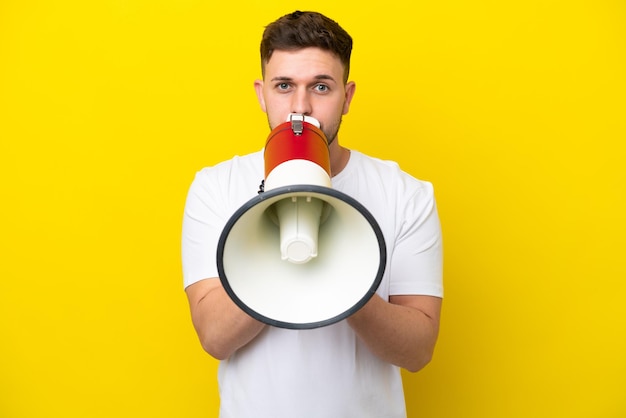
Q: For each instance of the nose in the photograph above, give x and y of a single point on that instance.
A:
(301, 103)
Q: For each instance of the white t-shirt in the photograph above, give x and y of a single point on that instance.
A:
(324, 372)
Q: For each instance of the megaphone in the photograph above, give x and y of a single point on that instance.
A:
(300, 254)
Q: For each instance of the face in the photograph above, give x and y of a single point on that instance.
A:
(307, 81)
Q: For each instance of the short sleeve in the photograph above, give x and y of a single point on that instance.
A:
(417, 260)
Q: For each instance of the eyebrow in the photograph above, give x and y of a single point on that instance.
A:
(317, 77)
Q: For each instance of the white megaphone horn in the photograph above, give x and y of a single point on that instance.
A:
(301, 254)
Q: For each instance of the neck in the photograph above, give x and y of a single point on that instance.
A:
(339, 157)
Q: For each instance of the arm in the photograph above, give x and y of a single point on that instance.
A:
(403, 331)
(220, 324)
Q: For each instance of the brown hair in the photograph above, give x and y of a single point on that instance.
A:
(299, 30)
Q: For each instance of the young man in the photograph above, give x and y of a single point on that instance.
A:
(350, 368)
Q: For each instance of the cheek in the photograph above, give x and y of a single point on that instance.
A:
(277, 111)
(334, 113)
(276, 116)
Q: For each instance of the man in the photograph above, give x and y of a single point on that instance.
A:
(350, 368)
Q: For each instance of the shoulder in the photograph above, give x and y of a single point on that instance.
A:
(388, 175)
(240, 164)
(236, 179)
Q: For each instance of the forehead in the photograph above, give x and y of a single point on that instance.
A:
(302, 63)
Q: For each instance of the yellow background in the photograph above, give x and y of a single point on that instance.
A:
(514, 110)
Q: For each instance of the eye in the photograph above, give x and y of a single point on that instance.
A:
(321, 88)
(282, 86)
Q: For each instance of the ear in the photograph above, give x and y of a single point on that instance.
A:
(258, 88)
(350, 90)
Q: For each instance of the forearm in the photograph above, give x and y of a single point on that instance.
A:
(221, 325)
(403, 332)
